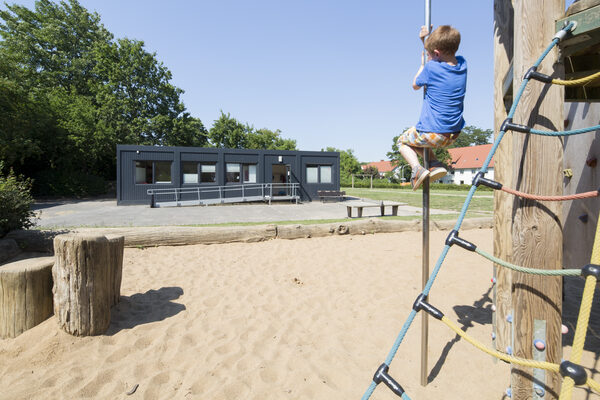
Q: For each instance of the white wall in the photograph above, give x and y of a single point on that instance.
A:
(465, 176)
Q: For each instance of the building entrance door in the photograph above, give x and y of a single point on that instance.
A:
(281, 176)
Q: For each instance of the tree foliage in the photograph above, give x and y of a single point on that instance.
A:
(69, 92)
(15, 202)
(348, 162)
(472, 136)
(228, 132)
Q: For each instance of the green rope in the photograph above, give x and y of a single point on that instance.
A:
(533, 271)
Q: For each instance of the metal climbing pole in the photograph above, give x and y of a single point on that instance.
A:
(425, 268)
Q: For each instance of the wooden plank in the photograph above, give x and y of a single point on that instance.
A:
(537, 169)
(503, 54)
(587, 20)
(580, 217)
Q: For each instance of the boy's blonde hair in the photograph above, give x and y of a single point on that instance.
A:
(444, 38)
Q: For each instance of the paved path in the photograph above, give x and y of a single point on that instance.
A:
(106, 213)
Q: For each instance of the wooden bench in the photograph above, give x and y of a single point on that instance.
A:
(363, 204)
(331, 195)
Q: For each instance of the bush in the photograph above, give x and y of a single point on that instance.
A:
(384, 184)
(15, 203)
(68, 184)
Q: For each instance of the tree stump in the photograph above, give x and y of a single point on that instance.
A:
(25, 295)
(82, 287)
(116, 245)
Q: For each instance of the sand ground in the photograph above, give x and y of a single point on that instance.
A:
(282, 319)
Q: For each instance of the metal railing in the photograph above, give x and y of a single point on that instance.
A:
(224, 194)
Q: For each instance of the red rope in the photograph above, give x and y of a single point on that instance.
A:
(576, 196)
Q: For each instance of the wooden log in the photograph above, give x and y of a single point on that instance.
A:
(536, 232)
(116, 244)
(25, 295)
(183, 235)
(503, 202)
(82, 290)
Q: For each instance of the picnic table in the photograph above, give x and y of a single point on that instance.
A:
(360, 205)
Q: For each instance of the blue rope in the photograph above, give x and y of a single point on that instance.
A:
(565, 133)
(460, 220)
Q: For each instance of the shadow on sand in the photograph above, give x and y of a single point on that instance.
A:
(143, 308)
(480, 312)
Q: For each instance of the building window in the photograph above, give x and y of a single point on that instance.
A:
(325, 173)
(249, 173)
(208, 173)
(190, 172)
(318, 174)
(147, 172)
(232, 173)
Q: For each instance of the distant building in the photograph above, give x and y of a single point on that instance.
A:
(382, 167)
(466, 161)
(219, 172)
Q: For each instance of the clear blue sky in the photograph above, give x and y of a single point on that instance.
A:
(325, 72)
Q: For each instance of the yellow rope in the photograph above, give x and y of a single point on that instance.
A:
(583, 319)
(595, 386)
(576, 82)
(514, 360)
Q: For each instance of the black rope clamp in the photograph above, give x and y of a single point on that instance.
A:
(591, 269)
(538, 76)
(573, 371)
(454, 239)
(382, 376)
(481, 180)
(421, 304)
(508, 125)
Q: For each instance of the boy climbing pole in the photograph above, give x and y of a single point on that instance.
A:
(444, 77)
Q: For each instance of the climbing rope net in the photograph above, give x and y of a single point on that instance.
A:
(572, 372)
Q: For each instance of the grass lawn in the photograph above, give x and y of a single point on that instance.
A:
(452, 200)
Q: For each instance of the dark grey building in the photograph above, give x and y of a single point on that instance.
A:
(196, 175)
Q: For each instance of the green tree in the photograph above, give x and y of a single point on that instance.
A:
(371, 170)
(228, 132)
(74, 93)
(348, 162)
(267, 139)
(473, 136)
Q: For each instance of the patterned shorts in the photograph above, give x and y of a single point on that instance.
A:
(412, 137)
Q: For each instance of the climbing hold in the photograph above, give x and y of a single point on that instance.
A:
(493, 307)
(564, 329)
(493, 281)
(509, 350)
(509, 318)
(583, 218)
(592, 162)
(539, 344)
(508, 392)
(568, 173)
(493, 336)
(539, 390)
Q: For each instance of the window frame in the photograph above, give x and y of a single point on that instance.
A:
(319, 174)
(154, 172)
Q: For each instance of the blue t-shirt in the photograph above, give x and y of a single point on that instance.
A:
(442, 110)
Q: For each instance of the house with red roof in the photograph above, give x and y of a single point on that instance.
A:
(382, 166)
(466, 161)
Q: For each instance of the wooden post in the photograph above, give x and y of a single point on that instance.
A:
(25, 295)
(537, 167)
(503, 202)
(116, 244)
(82, 289)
